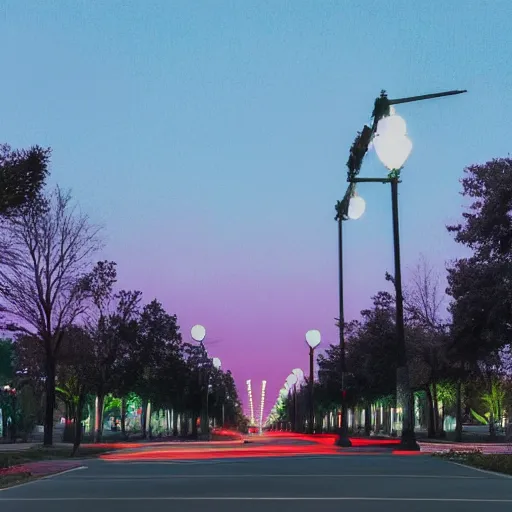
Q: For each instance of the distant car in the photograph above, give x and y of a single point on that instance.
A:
(253, 430)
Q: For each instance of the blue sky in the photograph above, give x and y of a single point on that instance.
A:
(210, 138)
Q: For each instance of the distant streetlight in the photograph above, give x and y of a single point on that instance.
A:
(198, 334)
(299, 374)
(313, 339)
(291, 381)
(217, 365)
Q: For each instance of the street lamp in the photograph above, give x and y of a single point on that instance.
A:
(291, 381)
(352, 207)
(217, 365)
(313, 339)
(299, 374)
(389, 138)
(356, 207)
(198, 333)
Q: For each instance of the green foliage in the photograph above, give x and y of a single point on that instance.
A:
(497, 463)
(479, 284)
(484, 420)
(446, 392)
(494, 400)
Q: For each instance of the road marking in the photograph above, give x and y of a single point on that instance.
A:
(265, 498)
(485, 471)
(252, 476)
(171, 463)
(64, 472)
(223, 460)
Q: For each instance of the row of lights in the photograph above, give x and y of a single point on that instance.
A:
(313, 338)
(251, 404)
(263, 386)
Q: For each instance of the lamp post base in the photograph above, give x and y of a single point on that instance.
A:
(343, 440)
(408, 442)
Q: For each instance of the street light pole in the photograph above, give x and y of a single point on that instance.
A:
(404, 393)
(198, 333)
(311, 391)
(343, 439)
(313, 339)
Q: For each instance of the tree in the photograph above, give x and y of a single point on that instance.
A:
(22, 176)
(372, 355)
(159, 341)
(113, 328)
(428, 336)
(46, 252)
(75, 374)
(481, 284)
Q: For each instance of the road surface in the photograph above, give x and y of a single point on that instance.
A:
(365, 482)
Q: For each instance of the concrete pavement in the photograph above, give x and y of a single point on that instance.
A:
(302, 483)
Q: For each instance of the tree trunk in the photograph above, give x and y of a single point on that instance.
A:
(78, 423)
(368, 419)
(123, 416)
(492, 426)
(175, 423)
(4, 424)
(143, 418)
(442, 432)
(148, 416)
(99, 417)
(50, 400)
(194, 425)
(435, 403)
(431, 426)
(458, 427)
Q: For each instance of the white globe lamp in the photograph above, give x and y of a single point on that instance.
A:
(391, 143)
(313, 338)
(356, 207)
(291, 380)
(198, 333)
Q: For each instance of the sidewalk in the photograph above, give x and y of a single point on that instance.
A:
(446, 446)
(42, 468)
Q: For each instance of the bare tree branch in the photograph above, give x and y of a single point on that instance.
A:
(45, 252)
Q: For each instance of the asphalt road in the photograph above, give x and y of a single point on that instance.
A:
(368, 483)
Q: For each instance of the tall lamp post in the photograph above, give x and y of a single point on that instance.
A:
(393, 147)
(198, 333)
(352, 208)
(313, 339)
(217, 364)
(291, 380)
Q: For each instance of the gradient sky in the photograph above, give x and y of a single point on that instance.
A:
(210, 138)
